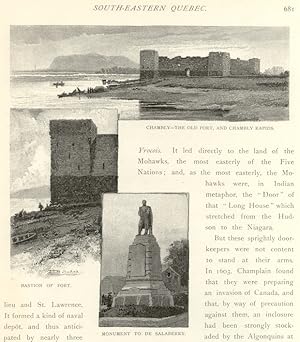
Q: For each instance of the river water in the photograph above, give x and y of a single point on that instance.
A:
(36, 90)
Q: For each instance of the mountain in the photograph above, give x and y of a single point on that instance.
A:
(39, 192)
(90, 62)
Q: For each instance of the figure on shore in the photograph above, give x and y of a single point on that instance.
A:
(146, 219)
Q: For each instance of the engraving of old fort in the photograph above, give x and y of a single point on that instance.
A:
(154, 72)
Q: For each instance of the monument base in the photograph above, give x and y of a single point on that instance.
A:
(144, 293)
(144, 284)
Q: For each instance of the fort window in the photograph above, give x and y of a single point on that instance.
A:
(73, 144)
(78, 167)
(69, 155)
(103, 166)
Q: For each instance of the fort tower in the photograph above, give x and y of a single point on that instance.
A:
(148, 64)
(218, 64)
(254, 66)
(83, 164)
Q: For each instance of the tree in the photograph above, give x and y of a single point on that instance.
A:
(178, 259)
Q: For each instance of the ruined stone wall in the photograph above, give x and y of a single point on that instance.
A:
(73, 189)
(178, 66)
(239, 67)
(216, 64)
(243, 67)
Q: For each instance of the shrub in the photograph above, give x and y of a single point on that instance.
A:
(181, 299)
(143, 311)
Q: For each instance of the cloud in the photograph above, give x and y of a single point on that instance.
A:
(53, 41)
(30, 141)
(35, 34)
(37, 173)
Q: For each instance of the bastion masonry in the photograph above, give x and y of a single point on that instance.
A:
(83, 163)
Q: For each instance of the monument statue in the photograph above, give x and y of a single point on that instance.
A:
(146, 219)
(144, 283)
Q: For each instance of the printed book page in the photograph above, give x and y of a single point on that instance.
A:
(149, 171)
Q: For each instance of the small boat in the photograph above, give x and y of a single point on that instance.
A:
(64, 94)
(88, 92)
(75, 92)
(57, 84)
(22, 237)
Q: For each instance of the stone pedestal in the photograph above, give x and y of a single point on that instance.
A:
(144, 284)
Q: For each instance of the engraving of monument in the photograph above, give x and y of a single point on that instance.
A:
(144, 283)
(144, 277)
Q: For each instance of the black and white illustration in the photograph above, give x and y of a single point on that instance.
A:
(154, 72)
(145, 260)
(61, 162)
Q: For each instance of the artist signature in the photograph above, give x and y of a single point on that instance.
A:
(63, 272)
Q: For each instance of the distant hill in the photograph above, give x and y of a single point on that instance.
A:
(40, 192)
(90, 62)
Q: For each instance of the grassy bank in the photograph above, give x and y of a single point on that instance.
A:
(209, 98)
(228, 83)
(178, 321)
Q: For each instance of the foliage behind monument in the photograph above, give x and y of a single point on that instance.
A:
(178, 259)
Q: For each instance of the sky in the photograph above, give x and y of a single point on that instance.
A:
(30, 141)
(37, 46)
(120, 225)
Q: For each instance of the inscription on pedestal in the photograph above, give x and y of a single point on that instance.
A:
(144, 284)
(137, 260)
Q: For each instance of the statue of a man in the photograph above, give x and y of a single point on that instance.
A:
(146, 219)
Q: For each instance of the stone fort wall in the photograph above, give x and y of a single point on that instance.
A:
(83, 163)
(198, 66)
(242, 67)
(215, 64)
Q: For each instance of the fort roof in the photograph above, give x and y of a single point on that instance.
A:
(71, 121)
(82, 126)
(149, 50)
